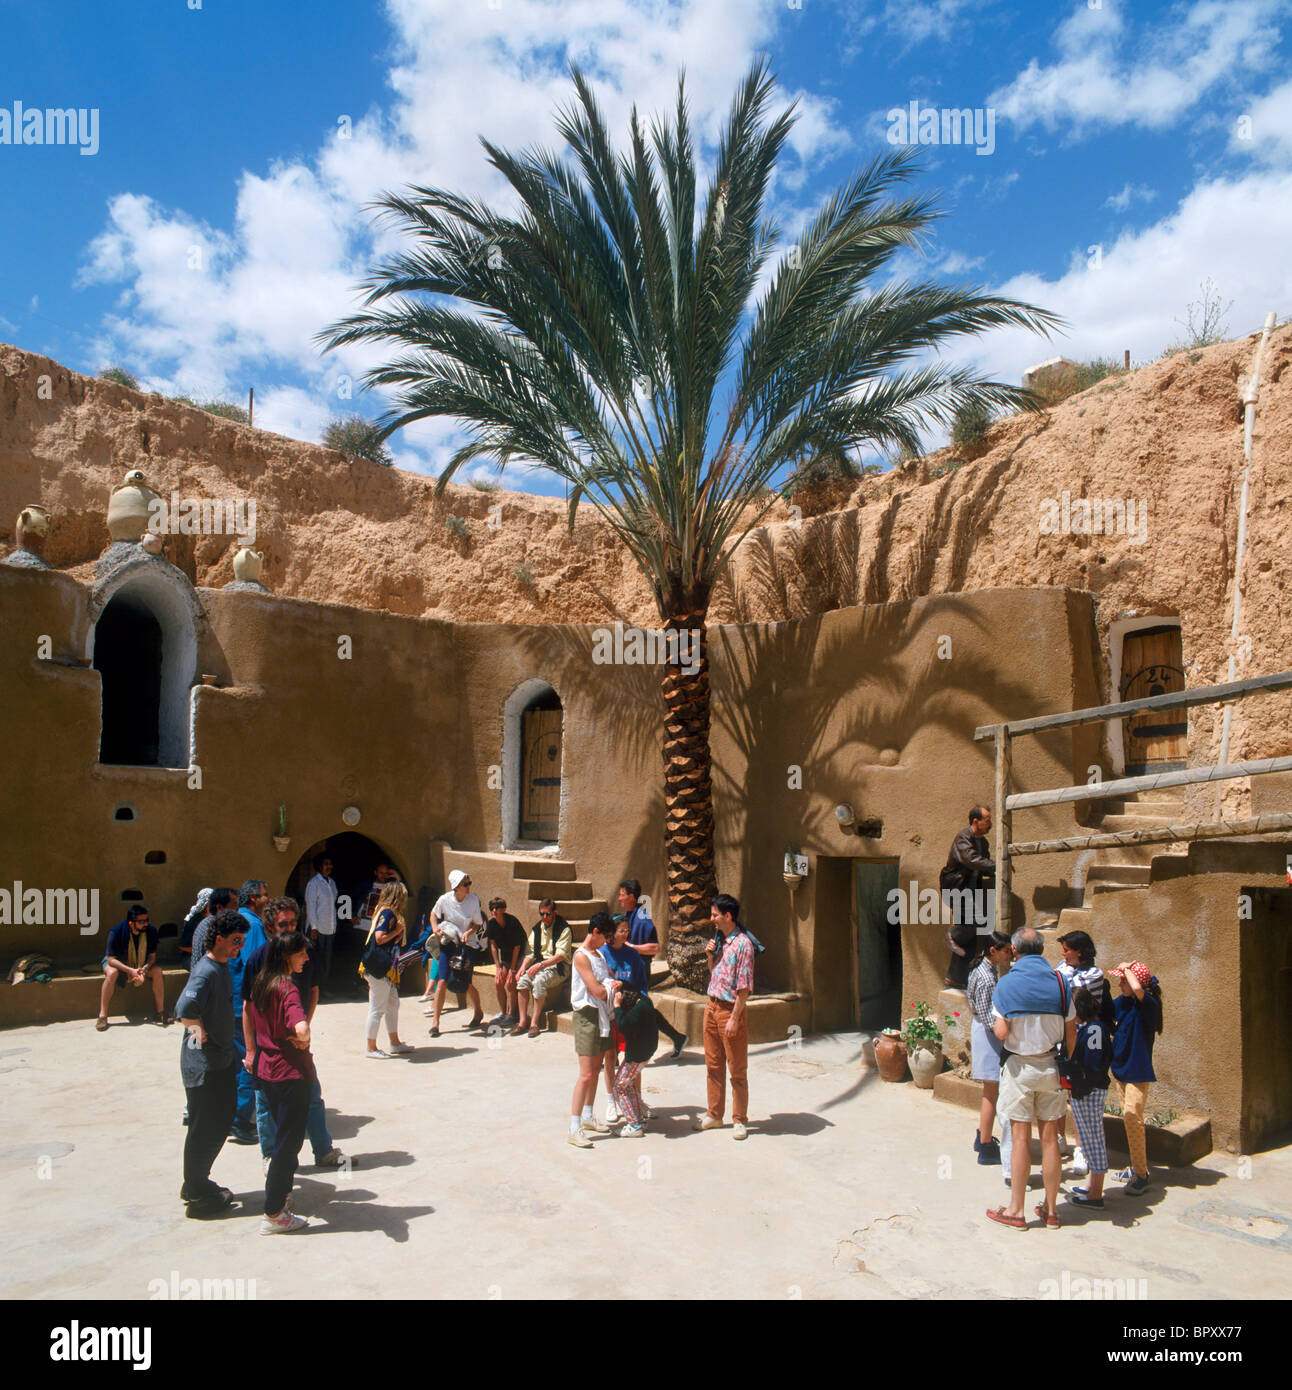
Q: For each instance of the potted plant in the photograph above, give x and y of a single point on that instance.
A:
(890, 1055)
(791, 875)
(923, 1040)
(280, 840)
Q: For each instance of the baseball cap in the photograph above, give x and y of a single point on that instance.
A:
(457, 876)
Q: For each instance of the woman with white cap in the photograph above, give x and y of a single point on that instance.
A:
(458, 921)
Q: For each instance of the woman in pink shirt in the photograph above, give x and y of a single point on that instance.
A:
(279, 1059)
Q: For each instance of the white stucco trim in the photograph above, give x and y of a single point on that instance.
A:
(1116, 635)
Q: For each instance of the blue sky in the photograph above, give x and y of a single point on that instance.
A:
(1138, 149)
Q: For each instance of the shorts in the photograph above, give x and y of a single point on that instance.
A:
(1030, 1091)
(122, 981)
(986, 1049)
(542, 983)
(588, 1041)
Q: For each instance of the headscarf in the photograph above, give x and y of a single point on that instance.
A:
(199, 907)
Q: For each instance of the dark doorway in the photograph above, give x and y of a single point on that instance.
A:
(540, 761)
(354, 864)
(879, 946)
(128, 658)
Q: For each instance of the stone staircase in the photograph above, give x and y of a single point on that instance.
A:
(524, 880)
(1124, 868)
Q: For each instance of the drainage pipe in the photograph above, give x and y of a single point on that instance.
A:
(1250, 396)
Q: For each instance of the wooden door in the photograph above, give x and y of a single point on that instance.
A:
(1153, 664)
(540, 808)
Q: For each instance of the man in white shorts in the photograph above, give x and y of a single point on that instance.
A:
(1032, 1014)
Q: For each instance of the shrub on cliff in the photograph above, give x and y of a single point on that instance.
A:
(359, 438)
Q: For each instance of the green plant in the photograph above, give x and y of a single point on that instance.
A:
(226, 410)
(940, 470)
(1112, 1106)
(458, 527)
(1061, 382)
(483, 485)
(523, 574)
(631, 331)
(1204, 322)
(1163, 1118)
(120, 376)
(359, 438)
(922, 1028)
(282, 819)
(969, 431)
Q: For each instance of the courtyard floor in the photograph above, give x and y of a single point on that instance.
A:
(847, 1188)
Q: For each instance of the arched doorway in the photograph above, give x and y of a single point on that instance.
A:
(143, 643)
(355, 859)
(128, 658)
(532, 737)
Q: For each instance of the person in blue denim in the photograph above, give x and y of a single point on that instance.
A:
(281, 917)
(252, 897)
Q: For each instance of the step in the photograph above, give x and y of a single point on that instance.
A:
(1101, 887)
(76, 996)
(1135, 822)
(1120, 873)
(579, 909)
(1076, 919)
(544, 870)
(570, 888)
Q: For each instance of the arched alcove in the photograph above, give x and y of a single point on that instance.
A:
(144, 645)
(533, 788)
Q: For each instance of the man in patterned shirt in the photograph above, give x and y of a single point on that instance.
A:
(726, 1025)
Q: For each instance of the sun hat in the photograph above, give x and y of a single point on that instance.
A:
(458, 876)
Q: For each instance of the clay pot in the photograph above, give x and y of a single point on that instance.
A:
(247, 565)
(925, 1061)
(792, 881)
(281, 842)
(890, 1056)
(32, 528)
(128, 508)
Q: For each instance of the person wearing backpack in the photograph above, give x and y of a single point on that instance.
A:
(1139, 1022)
(1092, 1056)
(635, 1020)
(1032, 1014)
(380, 968)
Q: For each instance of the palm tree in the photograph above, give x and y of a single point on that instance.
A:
(658, 364)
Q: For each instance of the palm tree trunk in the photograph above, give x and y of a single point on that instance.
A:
(688, 805)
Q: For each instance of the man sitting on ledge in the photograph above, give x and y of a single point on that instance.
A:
(132, 959)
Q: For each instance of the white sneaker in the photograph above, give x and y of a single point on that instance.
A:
(283, 1224)
(399, 1049)
(612, 1114)
(596, 1126)
(738, 1131)
(1080, 1168)
(377, 1055)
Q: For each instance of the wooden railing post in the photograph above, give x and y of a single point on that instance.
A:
(1001, 817)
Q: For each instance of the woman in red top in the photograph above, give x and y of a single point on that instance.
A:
(280, 1061)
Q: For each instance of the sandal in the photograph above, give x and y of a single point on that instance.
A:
(533, 1033)
(1051, 1219)
(101, 1025)
(1000, 1215)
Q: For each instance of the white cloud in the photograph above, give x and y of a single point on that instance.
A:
(1265, 127)
(301, 240)
(1131, 193)
(914, 21)
(1107, 76)
(1234, 231)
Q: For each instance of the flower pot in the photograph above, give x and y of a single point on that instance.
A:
(209, 679)
(281, 842)
(792, 881)
(890, 1056)
(925, 1062)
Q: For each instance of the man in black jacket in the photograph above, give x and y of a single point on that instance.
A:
(969, 870)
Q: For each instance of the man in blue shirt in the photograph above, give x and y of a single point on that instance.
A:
(252, 897)
(131, 959)
(644, 939)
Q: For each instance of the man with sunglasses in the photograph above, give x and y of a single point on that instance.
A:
(543, 969)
